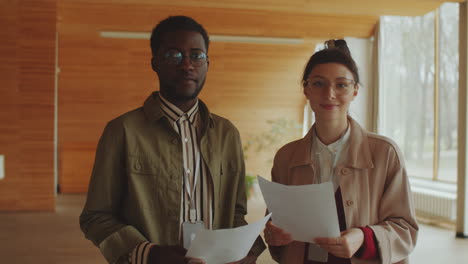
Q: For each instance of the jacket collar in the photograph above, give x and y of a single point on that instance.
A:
(301, 155)
(358, 156)
(153, 111)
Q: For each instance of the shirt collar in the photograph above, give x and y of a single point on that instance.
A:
(334, 147)
(154, 113)
(174, 113)
(359, 155)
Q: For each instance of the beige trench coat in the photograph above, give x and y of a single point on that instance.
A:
(375, 192)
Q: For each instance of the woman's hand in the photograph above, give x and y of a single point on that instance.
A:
(344, 246)
(275, 236)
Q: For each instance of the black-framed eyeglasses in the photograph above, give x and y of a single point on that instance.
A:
(175, 57)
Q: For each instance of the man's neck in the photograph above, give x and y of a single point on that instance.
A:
(184, 105)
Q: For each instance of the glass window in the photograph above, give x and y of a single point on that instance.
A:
(407, 105)
(407, 89)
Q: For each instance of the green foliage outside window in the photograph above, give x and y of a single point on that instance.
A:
(280, 132)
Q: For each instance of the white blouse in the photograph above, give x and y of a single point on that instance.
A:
(326, 157)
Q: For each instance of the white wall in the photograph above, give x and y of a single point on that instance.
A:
(362, 107)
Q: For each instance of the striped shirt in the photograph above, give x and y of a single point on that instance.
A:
(187, 125)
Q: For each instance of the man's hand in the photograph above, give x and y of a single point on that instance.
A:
(344, 246)
(170, 254)
(275, 236)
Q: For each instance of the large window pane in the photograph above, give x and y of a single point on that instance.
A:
(406, 99)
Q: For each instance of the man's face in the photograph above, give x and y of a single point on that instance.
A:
(180, 65)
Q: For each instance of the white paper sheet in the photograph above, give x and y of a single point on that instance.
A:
(304, 211)
(225, 245)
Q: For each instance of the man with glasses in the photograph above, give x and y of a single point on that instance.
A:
(169, 168)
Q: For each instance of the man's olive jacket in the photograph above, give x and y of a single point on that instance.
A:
(135, 189)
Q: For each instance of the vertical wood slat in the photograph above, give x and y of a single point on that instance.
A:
(462, 161)
(26, 104)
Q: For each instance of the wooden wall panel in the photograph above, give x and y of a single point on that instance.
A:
(77, 163)
(102, 78)
(27, 73)
(253, 83)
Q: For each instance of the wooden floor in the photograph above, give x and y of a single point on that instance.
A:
(56, 238)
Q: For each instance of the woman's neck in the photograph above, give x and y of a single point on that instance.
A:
(329, 131)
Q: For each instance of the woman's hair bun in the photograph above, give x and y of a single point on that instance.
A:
(335, 51)
(339, 44)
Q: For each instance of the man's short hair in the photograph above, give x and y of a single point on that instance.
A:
(175, 23)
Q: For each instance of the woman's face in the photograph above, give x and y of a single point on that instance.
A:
(330, 88)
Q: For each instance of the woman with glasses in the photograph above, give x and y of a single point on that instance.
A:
(373, 198)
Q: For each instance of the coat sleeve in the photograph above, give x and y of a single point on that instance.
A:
(396, 233)
(99, 219)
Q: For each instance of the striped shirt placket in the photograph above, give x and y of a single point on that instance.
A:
(191, 171)
(185, 124)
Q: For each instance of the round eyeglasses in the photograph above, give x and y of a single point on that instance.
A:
(175, 57)
(341, 86)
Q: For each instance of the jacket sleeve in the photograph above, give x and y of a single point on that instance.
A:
(241, 200)
(397, 230)
(99, 220)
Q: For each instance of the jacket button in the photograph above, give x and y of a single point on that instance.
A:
(345, 171)
(174, 141)
(137, 166)
(349, 203)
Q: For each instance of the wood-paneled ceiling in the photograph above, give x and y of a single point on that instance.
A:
(330, 7)
(275, 18)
